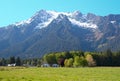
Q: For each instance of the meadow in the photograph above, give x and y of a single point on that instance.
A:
(60, 74)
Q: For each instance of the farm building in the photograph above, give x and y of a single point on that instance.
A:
(12, 65)
(55, 65)
(45, 65)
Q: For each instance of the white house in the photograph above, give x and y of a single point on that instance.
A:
(55, 65)
(12, 65)
(45, 65)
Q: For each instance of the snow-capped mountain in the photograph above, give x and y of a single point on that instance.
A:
(46, 17)
(51, 31)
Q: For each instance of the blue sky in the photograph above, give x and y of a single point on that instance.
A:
(12, 11)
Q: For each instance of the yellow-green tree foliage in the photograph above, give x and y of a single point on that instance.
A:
(68, 62)
(90, 60)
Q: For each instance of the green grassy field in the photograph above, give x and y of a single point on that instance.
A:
(59, 74)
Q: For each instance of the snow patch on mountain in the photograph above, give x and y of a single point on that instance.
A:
(46, 17)
(54, 15)
(83, 24)
(44, 24)
(24, 22)
(112, 22)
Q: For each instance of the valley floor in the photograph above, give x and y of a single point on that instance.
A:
(60, 74)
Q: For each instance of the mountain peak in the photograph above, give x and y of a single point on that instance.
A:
(77, 13)
(61, 16)
(91, 16)
(42, 12)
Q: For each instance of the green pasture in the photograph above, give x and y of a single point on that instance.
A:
(60, 74)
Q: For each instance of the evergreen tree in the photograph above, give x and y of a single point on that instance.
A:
(109, 60)
(2, 62)
(18, 61)
(38, 62)
(12, 60)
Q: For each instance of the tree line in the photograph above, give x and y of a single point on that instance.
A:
(20, 62)
(82, 59)
(69, 59)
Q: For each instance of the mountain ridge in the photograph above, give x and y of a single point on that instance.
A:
(50, 31)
